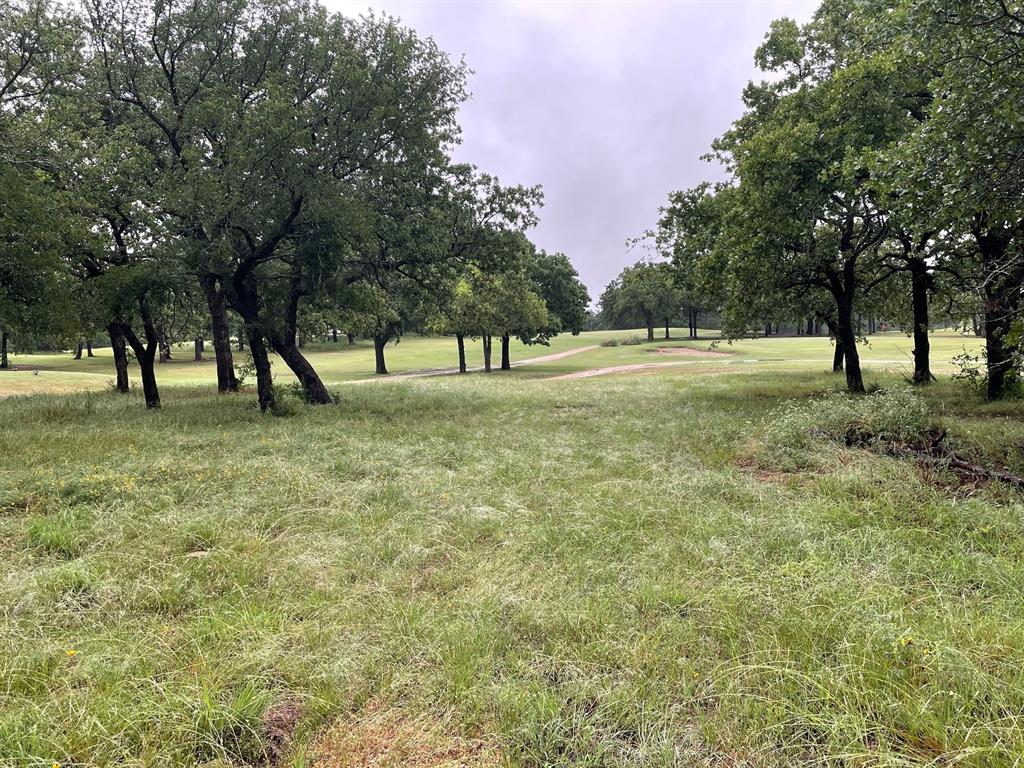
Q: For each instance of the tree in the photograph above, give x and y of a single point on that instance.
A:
(959, 172)
(689, 234)
(565, 296)
(265, 116)
(645, 292)
(489, 304)
(37, 55)
(807, 216)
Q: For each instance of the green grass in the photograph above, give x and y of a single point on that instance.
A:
(342, 362)
(609, 571)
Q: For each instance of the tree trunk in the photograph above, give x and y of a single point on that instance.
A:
(846, 334)
(220, 330)
(837, 354)
(919, 280)
(198, 347)
(506, 363)
(165, 347)
(264, 376)
(650, 326)
(241, 343)
(487, 352)
(315, 391)
(334, 335)
(810, 326)
(5, 361)
(667, 335)
(118, 344)
(379, 340)
(694, 312)
(78, 351)
(351, 338)
(88, 348)
(1002, 297)
(461, 341)
(998, 358)
(145, 354)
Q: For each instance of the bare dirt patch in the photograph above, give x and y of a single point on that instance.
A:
(612, 369)
(279, 722)
(379, 737)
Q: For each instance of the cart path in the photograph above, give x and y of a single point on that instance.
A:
(423, 373)
(586, 374)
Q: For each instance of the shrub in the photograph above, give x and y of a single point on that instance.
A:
(610, 343)
(630, 341)
(793, 434)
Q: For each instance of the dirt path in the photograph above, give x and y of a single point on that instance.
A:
(617, 369)
(649, 366)
(420, 374)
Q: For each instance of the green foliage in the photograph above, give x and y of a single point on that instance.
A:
(793, 434)
(642, 294)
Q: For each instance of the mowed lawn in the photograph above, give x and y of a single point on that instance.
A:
(342, 362)
(506, 570)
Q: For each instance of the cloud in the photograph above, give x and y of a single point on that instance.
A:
(608, 105)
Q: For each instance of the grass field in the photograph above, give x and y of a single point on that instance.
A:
(666, 569)
(338, 363)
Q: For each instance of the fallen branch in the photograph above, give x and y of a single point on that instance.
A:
(933, 451)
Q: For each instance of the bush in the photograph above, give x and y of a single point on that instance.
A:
(630, 341)
(610, 343)
(793, 434)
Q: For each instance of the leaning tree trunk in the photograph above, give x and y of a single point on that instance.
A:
(264, 377)
(5, 361)
(461, 341)
(118, 344)
(506, 363)
(487, 352)
(146, 355)
(220, 331)
(313, 386)
(650, 326)
(287, 347)
(379, 342)
(78, 350)
(919, 303)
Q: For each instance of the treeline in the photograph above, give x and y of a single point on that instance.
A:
(257, 172)
(879, 170)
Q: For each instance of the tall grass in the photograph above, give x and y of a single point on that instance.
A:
(570, 573)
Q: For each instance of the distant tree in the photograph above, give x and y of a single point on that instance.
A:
(558, 283)
(646, 292)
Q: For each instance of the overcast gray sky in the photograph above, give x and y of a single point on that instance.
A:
(608, 105)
